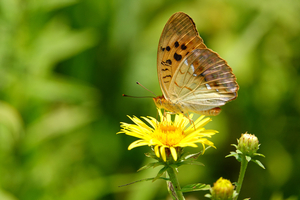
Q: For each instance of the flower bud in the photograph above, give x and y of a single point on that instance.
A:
(222, 190)
(248, 144)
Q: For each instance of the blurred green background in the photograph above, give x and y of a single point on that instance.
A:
(64, 65)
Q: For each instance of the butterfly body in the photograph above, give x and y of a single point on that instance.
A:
(178, 107)
(192, 77)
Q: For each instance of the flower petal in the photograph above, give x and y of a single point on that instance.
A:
(163, 153)
(174, 153)
(137, 143)
(156, 150)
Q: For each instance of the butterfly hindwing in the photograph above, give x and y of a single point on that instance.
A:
(203, 80)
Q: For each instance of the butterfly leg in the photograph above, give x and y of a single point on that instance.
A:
(191, 121)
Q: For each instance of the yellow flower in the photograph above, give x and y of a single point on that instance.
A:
(167, 134)
(223, 190)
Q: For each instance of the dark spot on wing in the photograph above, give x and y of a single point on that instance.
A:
(177, 57)
(187, 53)
(183, 47)
(164, 69)
(176, 44)
(168, 48)
(169, 62)
(163, 49)
(167, 76)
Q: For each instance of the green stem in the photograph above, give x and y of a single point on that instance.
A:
(174, 180)
(244, 164)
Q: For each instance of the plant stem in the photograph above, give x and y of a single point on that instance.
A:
(174, 180)
(244, 164)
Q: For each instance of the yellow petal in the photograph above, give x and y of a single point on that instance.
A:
(137, 143)
(174, 153)
(156, 150)
(163, 153)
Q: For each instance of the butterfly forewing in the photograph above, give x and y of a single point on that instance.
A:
(177, 40)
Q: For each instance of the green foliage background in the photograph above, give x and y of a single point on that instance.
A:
(64, 65)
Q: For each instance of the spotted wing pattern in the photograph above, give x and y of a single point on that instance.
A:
(192, 77)
(177, 40)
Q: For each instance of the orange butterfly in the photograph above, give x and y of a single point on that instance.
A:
(192, 77)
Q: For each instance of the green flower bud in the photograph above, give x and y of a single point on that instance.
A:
(248, 144)
(222, 190)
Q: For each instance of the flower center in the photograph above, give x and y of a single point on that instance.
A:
(167, 134)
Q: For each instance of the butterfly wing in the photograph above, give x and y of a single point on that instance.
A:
(177, 40)
(202, 81)
(192, 77)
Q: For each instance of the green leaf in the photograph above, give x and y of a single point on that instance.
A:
(231, 154)
(248, 158)
(146, 167)
(160, 173)
(195, 187)
(191, 163)
(259, 154)
(259, 163)
(236, 155)
(143, 180)
(153, 164)
(239, 152)
(151, 155)
(193, 156)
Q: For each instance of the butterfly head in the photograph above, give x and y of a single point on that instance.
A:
(159, 101)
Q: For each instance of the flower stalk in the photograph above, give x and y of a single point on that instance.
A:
(175, 183)
(246, 149)
(244, 164)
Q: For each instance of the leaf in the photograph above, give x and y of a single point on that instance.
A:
(153, 164)
(143, 180)
(259, 163)
(231, 154)
(195, 187)
(236, 155)
(160, 173)
(191, 163)
(239, 152)
(259, 154)
(248, 158)
(151, 155)
(193, 156)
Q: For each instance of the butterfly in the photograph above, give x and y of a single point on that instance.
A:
(192, 77)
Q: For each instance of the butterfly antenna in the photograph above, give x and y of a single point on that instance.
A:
(125, 95)
(145, 88)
